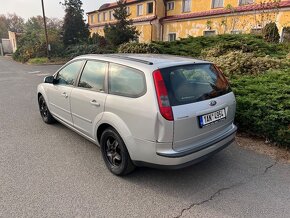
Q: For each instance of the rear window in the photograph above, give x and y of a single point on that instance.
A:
(193, 83)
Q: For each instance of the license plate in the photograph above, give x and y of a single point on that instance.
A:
(211, 118)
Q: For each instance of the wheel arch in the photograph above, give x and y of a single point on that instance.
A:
(110, 120)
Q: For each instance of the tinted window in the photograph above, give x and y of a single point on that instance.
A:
(193, 83)
(93, 75)
(126, 81)
(69, 73)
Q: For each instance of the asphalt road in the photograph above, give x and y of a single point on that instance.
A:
(50, 171)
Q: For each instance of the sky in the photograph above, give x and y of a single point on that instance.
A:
(30, 8)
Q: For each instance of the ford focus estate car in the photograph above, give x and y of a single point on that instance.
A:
(143, 110)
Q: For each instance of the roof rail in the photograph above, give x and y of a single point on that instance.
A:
(130, 59)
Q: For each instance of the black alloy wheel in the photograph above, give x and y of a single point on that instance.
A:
(115, 153)
(44, 111)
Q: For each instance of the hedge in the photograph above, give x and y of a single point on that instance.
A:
(263, 105)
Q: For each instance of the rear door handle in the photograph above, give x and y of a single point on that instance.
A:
(95, 103)
(64, 95)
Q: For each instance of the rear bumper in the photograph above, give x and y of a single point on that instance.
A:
(167, 158)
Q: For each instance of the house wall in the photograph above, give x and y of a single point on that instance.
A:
(241, 22)
(162, 26)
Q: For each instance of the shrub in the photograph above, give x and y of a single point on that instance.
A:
(195, 46)
(238, 62)
(134, 47)
(263, 105)
(76, 50)
(271, 33)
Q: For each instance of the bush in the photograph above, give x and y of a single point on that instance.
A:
(134, 47)
(238, 62)
(271, 33)
(76, 50)
(195, 46)
(263, 105)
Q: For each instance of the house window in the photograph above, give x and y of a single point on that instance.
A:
(246, 2)
(111, 15)
(217, 3)
(99, 18)
(170, 6)
(186, 5)
(236, 32)
(139, 10)
(105, 16)
(171, 37)
(92, 18)
(256, 31)
(150, 8)
(209, 33)
(128, 10)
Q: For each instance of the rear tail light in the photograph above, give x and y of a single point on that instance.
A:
(162, 96)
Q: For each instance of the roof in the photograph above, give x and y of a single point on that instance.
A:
(147, 61)
(244, 8)
(114, 4)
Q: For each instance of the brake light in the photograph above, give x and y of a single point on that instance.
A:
(162, 96)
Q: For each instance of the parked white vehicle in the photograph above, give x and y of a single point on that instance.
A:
(143, 110)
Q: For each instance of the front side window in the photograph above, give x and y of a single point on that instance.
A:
(246, 2)
(126, 81)
(68, 74)
(217, 3)
(186, 4)
(193, 83)
(99, 17)
(139, 10)
(93, 75)
(150, 8)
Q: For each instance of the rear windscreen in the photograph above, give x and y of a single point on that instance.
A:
(193, 83)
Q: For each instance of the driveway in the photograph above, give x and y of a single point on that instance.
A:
(50, 171)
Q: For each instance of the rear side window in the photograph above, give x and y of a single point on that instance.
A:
(126, 81)
(93, 75)
(193, 83)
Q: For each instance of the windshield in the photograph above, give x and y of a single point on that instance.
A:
(193, 83)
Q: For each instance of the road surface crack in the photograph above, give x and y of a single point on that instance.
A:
(269, 167)
(218, 192)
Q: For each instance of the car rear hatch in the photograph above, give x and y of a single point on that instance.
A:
(203, 105)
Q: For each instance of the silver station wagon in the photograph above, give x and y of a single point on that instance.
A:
(143, 110)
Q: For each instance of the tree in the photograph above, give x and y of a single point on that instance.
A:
(3, 27)
(74, 28)
(11, 22)
(32, 42)
(15, 23)
(122, 31)
(271, 33)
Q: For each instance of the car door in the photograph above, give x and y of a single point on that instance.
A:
(59, 93)
(89, 97)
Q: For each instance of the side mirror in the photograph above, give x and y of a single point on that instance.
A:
(49, 79)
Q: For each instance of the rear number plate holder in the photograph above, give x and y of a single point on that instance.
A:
(211, 118)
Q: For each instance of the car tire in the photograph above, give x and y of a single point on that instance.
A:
(44, 111)
(115, 153)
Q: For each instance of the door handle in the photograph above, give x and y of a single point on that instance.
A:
(64, 95)
(95, 103)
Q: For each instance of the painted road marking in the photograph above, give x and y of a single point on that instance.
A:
(34, 72)
(43, 74)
